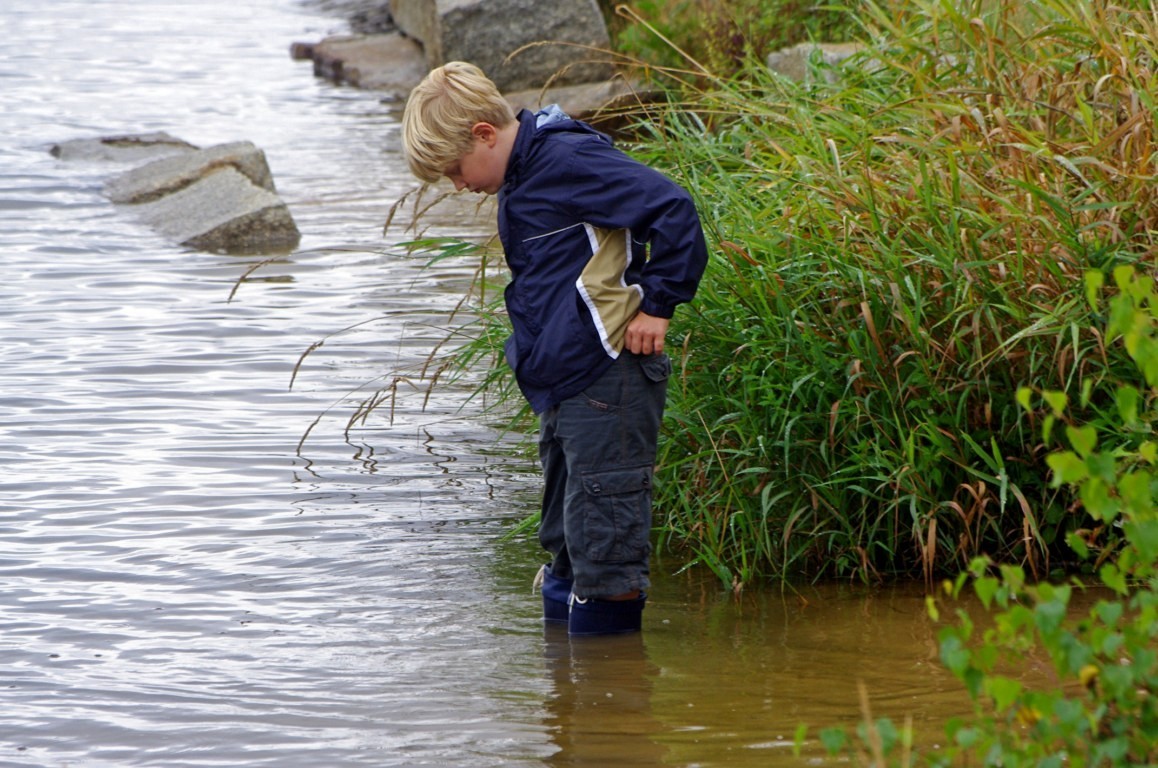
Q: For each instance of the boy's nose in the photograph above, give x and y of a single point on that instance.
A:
(459, 185)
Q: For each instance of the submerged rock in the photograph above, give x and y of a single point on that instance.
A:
(128, 148)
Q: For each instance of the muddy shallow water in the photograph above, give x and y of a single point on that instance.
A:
(182, 587)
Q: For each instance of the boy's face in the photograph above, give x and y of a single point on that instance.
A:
(484, 167)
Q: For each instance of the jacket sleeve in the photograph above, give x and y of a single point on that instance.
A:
(610, 190)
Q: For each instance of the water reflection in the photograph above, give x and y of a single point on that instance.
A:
(600, 712)
(720, 680)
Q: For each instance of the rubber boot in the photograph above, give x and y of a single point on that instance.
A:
(605, 617)
(556, 593)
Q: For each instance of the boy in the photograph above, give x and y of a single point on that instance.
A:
(601, 249)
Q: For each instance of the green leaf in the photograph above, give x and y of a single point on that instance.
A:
(967, 737)
(985, 588)
(833, 739)
(1083, 439)
(1123, 275)
(1003, 691)
(1143, 534)
(1108, 612)
(1047, 427)
(1048, 615)
(1102, 465)
(1135, 490)
(1078, 545)
(1113, 578)
(931, 608)
(1127, 398)
(1094, 282)
(1057, 401)
(1067, 468)
(1024, 396)
(1096, 498)
(954, 655)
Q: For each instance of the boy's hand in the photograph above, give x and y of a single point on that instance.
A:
(645, 334)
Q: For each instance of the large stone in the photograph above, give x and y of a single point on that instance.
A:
(488, 33)
(216, 199)
(223, 211)
(127, 148)
(170, 174)
(387, 62)
(365, 17)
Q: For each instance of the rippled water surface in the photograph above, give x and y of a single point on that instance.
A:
(182, 587)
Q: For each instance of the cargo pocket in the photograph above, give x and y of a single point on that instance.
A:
(618, 514)
(656, 367)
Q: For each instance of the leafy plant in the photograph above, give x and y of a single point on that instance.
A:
(1103, 710)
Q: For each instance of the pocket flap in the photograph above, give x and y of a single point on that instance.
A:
(615, 481)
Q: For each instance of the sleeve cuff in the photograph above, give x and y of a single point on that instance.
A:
(656, 310)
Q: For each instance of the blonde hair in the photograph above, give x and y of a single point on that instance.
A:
(441, 110)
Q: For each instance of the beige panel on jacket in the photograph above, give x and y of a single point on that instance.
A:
(612, 301)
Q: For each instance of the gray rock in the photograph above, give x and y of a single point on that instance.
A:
(793, 62)
(128, 148)
(487, 32)
(217, 199)
(223, 211)
(170, 174)
(388, 62)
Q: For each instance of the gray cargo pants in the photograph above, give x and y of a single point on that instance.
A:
(598, 450)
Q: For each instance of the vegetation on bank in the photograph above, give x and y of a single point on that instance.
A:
(1103, 709)
(900, 247)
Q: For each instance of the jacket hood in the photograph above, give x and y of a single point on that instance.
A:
(550, 119)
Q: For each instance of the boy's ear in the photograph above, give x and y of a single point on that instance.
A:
(485, 132)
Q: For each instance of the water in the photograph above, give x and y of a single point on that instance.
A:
(183, 587)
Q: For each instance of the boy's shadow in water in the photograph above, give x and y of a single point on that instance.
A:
(600, 711)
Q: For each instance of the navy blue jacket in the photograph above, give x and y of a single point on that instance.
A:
(591, 236)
